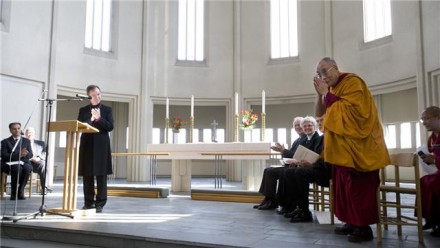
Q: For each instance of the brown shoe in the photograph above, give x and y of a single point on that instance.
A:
(361, 234)
(344, 230)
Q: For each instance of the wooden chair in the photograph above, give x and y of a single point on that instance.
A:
(322, 198)
(406, 218)
(4, 184)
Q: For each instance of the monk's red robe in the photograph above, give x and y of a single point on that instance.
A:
(430, 186)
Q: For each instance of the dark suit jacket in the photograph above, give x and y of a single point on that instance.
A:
(289, 153)
(6, 151)
(94, 150)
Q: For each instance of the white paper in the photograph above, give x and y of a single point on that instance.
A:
(427, 168)
(14, 163)
(303, 153)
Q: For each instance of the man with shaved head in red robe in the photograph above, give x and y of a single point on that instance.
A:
(354, 146)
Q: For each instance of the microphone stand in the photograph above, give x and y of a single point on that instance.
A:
(19, 143)
(43, 208)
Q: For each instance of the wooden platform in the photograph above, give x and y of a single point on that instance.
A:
(227, 195)
(142, 192)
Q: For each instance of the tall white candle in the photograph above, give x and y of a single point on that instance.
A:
(167, 111)
(192, 106)
(263, 107)
(236, 103)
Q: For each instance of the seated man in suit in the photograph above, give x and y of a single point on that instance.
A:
(298, 178)
(273, 176)
(14, 149)
(38, 161)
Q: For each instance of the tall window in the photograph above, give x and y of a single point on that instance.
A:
(191, 30)
(283, 28)
(1, 12)
(98, 25)
(377, 19)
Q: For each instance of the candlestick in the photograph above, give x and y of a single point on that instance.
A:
(167, 111)
(167, 125)
(263, 127)
(236, 128)
(236, 103)
(191, 129)
(192, 105)
(263, 104)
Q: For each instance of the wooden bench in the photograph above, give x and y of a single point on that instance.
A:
(138, 191)
(227, 195)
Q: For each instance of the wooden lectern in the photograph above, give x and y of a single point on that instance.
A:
(73, 128)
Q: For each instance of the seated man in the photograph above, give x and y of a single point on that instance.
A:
(38, 161)
(271, 175)
(430, 184)
(298, 180)
(13, 149)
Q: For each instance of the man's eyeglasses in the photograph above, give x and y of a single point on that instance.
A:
(323, 73)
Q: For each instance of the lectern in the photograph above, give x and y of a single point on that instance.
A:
(73, 129)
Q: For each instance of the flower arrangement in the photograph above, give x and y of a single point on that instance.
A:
(248, 119)
(178, 123)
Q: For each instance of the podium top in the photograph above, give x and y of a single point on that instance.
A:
(72, 126)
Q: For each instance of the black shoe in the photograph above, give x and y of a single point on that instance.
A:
(360, 234)
(428, 226)
(88, 207)
(302, 216)
(292, 213)
(12, 198)
(436, 232)
(261, 204)
(21, 197)
(283, 211)
(98, 209)
(269, 205)
(344, 230)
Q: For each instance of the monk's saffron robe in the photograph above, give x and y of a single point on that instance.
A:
(355, 146)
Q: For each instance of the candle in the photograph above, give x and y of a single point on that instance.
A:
(167, 111)
(236, 103)
(192, 106)
(263, 104)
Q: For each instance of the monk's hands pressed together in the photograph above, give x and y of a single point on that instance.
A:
(321, 86)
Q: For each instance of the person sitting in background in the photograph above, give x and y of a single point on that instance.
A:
(430, 184)
(272, 175)
(14, 149)
(301, 173)
(38, 161)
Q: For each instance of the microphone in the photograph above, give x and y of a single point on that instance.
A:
(83, 96)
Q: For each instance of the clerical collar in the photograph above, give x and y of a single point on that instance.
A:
(95, 106)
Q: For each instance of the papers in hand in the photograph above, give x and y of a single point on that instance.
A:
(303, 153)
(427, 168)
(287, 161)
(14, 163)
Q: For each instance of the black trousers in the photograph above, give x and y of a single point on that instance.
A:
(40, 168)
(271, 177)
(18, 173)
(297, 183)
(89, 190)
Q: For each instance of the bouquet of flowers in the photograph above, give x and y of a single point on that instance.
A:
(178, 123)
(248, 119)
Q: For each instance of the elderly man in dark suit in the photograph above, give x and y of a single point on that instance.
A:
(38, 161)
(94, 151)
(17, 151)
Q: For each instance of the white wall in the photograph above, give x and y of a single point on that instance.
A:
(143, 70)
